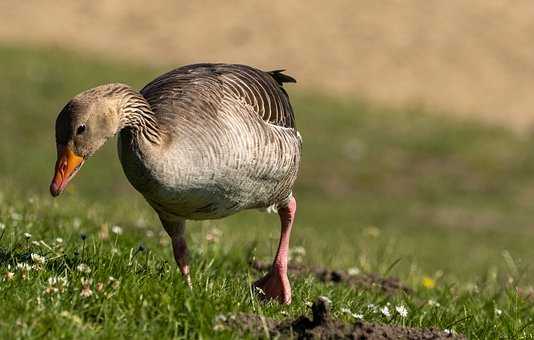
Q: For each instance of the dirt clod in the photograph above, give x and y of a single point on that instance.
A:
(388, 285)
(323, 326)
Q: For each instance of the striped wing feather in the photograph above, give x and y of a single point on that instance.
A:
(263, 91)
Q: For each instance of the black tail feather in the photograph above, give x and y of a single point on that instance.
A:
(281, 78)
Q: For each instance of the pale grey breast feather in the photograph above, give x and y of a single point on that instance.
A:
(235, 131)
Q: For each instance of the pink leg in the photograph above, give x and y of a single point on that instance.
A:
(179, 246)
(275, 285)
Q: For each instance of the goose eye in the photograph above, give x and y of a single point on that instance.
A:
(80, 129)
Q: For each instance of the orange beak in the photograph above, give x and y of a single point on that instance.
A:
(67, 165)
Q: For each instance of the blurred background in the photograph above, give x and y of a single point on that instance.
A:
(471, 58)
(416, 118)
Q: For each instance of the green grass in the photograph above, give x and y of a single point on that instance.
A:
(434, 197)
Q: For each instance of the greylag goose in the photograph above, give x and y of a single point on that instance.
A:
(200, 142)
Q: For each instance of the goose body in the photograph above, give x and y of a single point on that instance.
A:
(203, 141)
(229, 143)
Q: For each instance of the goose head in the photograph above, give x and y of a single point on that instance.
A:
(85, 123)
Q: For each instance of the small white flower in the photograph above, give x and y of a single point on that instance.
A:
(403, 312)
(220, 318)
(372, 307)
(23, 267)
(51, 290)
(385, 310)
(116, 230)
(56, 285)
(353, 271)
(325, 299)
(38, 259)
(345, 310)
(218, 327)
(219, 322)
(349, 312)
(498, 312)
(59, 240)
(86, 290)
(113, 282)
(448, 331)
(82, 267)
(433, 303)
(86, 281)
(28, 235)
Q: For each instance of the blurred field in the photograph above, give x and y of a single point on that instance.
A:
(469, 58)
(395, 192)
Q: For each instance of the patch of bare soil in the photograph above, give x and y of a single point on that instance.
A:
(322, 326)
(388, 285)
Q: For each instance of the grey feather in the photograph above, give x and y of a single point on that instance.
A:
(222, 139)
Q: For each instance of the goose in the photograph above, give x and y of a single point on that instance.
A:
(200, 142)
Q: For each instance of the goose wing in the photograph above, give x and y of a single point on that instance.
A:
(263, 91)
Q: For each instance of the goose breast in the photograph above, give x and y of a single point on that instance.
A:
(230, 142)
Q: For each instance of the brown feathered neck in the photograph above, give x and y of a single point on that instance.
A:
(134, 112)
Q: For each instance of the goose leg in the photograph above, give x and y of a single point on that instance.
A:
(275, 285)
(176, 231)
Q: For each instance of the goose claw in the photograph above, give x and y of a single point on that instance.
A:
(274, 286)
